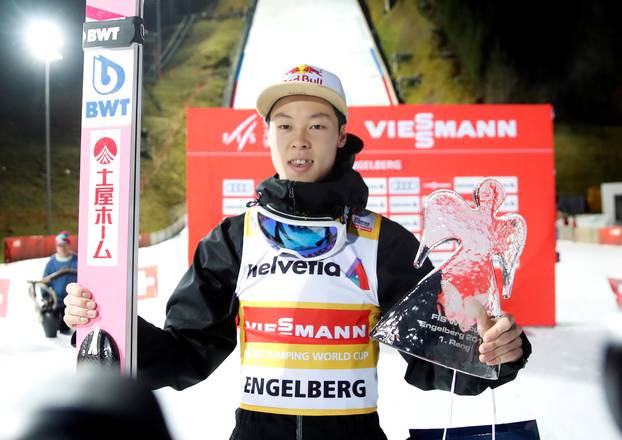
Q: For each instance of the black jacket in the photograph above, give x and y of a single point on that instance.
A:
(200, 329)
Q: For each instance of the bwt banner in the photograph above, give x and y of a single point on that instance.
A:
(410, 151)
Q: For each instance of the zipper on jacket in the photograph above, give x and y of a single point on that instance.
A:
(298, 427)
(292, 196)
(255, 201)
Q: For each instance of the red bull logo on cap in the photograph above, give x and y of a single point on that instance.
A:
(304, 73)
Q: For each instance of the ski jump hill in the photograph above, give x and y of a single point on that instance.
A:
(333, 35)
(561, 386)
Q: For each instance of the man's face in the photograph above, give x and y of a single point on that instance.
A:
(62, 250)
(304, 136)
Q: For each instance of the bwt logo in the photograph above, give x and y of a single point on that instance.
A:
(100, 35)
(108, 108)
(108, 78)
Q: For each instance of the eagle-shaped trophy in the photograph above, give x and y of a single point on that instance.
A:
(437, 321)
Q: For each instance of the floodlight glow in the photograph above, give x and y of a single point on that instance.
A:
(45, 40)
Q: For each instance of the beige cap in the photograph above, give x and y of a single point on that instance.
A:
(304, 80)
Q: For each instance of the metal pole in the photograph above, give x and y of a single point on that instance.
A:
(48, 219)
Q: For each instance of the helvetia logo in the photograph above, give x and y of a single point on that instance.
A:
(356, 273)
(298, 267)
(105, 150)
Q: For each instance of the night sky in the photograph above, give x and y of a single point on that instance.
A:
(587, 80)
(22, 76)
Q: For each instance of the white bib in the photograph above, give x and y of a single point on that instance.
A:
(304, 339)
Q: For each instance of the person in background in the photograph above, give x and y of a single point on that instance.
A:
(60, 270)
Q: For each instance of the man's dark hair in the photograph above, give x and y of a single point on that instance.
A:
(341, 119)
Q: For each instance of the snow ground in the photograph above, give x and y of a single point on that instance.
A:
(561, 387)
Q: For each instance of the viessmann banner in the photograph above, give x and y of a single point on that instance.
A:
(410, 151)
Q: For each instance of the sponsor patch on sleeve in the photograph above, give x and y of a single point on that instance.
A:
(366, 224)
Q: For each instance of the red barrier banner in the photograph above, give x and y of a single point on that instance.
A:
(33, 246)
(39, 246)
(410, 151)
(610, 235)
(4, 297)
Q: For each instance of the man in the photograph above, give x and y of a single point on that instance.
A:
(308, 271)
(60, 270)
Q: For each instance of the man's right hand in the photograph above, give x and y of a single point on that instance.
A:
(80, 307)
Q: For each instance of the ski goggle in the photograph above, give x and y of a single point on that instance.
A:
(310, 238)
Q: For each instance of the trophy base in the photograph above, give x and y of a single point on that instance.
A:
(417, 325)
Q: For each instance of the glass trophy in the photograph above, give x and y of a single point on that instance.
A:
(437, 321)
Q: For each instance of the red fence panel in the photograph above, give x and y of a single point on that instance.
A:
(33, 246)
(611, 235)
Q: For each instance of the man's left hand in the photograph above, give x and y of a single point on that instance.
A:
(501, 339)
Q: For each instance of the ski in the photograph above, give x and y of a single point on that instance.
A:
(109, 180)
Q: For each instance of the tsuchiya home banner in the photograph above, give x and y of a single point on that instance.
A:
(410, 151)
(109, 169)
